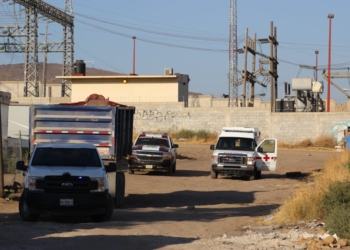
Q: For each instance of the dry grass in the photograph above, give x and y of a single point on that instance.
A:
(305, 203)
(320, 142)
(189, 136)
(204, 137)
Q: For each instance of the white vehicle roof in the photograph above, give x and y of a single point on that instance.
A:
(65, 145)
(240, 132)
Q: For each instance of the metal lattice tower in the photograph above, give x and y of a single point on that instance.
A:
(31, 85)
(68, 54)
(233, 56)
(32, 47)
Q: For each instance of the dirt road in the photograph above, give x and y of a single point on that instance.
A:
(168, 212)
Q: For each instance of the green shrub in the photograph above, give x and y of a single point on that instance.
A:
(338, 195)
(202, 134)
(9, 161)
(336, 209)
(185, 133)
(338, 221)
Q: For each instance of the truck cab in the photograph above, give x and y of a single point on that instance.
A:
(239, 152)
(66, 179)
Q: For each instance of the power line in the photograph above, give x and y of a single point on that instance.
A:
(152, 41)
(144, 20)
(153, 31)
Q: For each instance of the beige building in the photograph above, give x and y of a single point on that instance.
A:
(131, 88)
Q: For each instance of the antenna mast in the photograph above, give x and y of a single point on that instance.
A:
(233, 56)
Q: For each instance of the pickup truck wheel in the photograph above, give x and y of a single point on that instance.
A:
(170, 171)
(108, 213)
(119, 199)
(213, 174)
(174, 167)
(23, 210)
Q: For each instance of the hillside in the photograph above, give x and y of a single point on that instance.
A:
(15, 72)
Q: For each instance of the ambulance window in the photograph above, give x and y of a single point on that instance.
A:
(267, 146)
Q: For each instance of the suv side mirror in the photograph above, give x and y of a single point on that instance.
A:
(212, 147)
(20, 166)
(175, 145)
(112, 167)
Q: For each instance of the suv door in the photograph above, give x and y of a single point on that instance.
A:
(173, 149)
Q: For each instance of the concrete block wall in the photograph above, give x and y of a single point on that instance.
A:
(287, 127)
(31, 100)
(199, 101)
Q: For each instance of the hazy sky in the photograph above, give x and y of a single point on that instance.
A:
(192, 37)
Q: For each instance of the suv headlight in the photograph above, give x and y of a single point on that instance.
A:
(250, 161)
(214, 159)
(101, 184)
(166, 156)
(30, 183)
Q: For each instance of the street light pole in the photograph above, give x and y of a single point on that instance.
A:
(316, 52)
(133, 58)
(330, 16)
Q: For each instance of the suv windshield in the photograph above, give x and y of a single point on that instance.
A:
(66, 157)
(235, 143)
(152, 141)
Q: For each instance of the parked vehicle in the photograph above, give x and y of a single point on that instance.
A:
(105, 124)
(153, 152)
(239, 152)
(66, 179)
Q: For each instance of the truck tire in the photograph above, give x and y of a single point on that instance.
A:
(174, 167)
(213, 174)
(119, 197)
(108, 213)
(23, 211)
(170, 171)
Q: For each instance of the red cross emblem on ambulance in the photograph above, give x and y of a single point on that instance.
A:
(266, 158)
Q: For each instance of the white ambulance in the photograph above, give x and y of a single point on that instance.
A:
(239, 152)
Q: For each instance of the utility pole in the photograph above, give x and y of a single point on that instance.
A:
(273, 66)
(251, 77)
(245, 69)
(252, 94)
(2, 193)
(45, 57)
(275, 43)
(330, 17)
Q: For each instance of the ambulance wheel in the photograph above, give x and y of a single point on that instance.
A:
(255, 175)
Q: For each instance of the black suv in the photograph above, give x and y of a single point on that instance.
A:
(153, 152)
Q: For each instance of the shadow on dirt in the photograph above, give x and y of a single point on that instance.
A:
(38, 239)
(290, 175)
(185, 157)
(188, 198)
(195, 173)
(179, 173)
